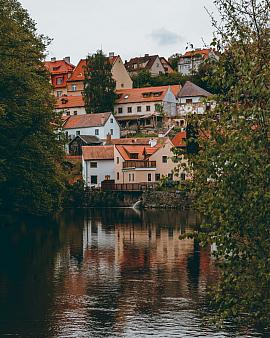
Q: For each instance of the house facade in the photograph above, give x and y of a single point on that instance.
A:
(189, 62)
(60, 71)
(97, 165)
(145, 106)
(153, 63)
(75, 145)
(99, 125)
(75, 84)
(146, 163)
(194, 100)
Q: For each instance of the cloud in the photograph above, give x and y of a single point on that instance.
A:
(165, 37)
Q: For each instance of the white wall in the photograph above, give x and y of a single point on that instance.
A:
(79, 110)
(104, 168)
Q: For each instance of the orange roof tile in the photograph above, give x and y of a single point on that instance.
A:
(142, 151)
(205, 52)
(59, 67)
(98, 153)
(69, 101)
(86, 120)
(146, 94)
(179, 139)
(136, 141)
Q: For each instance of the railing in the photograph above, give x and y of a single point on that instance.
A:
(139, 164)
(108, 186)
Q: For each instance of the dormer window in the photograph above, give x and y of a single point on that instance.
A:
(134, 156)
(59, 80)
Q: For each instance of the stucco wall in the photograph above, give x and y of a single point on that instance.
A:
(121, 75)
(104, 168)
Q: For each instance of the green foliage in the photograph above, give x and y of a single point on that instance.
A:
(173, 60)
(99, 86)
(232, 169)
(145, 79)
(30, 155)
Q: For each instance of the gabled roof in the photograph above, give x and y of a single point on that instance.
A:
(191, 90)
(87, 139)
(68, 101)
(146, 94)
(78, 73)
(140, 61)
(144, 152)
(179, 139)
(59, 67)
(87, 120)
(98, 153)
(136, 141)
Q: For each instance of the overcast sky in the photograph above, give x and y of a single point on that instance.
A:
(129, 28)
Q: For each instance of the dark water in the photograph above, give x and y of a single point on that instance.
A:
(106, 273)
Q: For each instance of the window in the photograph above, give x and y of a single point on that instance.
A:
(59, 93)
(157, 65)
(77, 132)
(118, 176)
(170, 176)
(93, 164)
(75, 112)
(164, 159)
(59, 80)
(120, 110)
(148, 108)
(188, 100)
(96, 132)
(73, 88)
(149, 177)
(111, 120)
(129, 109)
(117, 160)
(183, 176)
(157, 177)
(134, 156)
(94, 179)
(122, 85)
(111, 131)
(107, 177)
(133, 177)
(67, 113)
(139, 109)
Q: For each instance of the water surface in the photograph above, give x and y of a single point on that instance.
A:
(106, 273)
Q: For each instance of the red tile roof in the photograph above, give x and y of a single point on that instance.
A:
(69, 101)
(142, 62)
(78, 73)
(59, 67)
(87, 120)
(136, 141)
(204, 52)
(142, 151)
(98, 152)
(179, 139)
(146, 94)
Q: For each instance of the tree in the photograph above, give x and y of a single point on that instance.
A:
(232, 169)
(30, 154)
(99, 86)
(173, 60)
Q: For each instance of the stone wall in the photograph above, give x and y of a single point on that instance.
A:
(165, 200)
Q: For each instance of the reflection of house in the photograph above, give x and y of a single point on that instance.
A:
(191, 99)
(145, 106)
(153, 63)
(75, 84)
(60, 71)
(191, 60)
(70, 105)
(97, 164)
(75, 145)
(99, 125)
(145, 163)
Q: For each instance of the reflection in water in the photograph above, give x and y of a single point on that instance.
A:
(105, 273)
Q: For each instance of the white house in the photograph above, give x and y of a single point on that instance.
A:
(193, 100)
(97, 164)
(70, 105)
(144, 106)
(100, 125)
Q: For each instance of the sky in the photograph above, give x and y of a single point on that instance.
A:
(127, 28)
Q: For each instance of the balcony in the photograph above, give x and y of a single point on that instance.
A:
(139, 164)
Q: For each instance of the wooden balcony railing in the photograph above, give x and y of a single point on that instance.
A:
(139, 164)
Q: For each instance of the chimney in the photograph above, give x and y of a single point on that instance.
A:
(111, 54)
(152, 142)
(109, 138)
(53, 59)
(67, 59)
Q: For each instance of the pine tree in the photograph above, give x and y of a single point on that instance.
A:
(99, 86)
(30, 154)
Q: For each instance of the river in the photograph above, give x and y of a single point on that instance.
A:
(106, 273)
